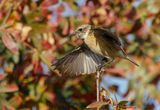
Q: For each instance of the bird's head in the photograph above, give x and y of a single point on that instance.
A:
(82, 31)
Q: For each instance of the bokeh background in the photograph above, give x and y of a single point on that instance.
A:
(33, 33)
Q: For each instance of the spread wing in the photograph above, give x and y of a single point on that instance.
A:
(79, 61)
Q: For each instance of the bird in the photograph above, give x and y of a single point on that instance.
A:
(80, 61)
(101, 41)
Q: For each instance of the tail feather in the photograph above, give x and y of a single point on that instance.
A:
(127, 58)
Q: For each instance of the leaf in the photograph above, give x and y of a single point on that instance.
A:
(2, 76)
(117, 71)
(15, 101)
(35, 57)
(8, 88)
(110, 100)
(45, 60)
(123, 102)
(7, 106)
(101, 11)
(28, 69)
(124, 107)
(10, 43)
(133, 47)
(97, 104)
(105, 92)
(43, 106)
(25, 32)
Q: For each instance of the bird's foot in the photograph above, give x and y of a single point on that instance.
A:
(100, 66)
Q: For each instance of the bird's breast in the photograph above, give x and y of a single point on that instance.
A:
(97, 44)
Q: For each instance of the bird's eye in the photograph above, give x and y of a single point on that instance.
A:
(80, 29)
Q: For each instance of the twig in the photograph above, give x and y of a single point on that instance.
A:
(29, 46)
(98, 86)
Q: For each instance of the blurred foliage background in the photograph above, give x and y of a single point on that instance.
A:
(33, 33)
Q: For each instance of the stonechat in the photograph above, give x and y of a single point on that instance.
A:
(101, 41)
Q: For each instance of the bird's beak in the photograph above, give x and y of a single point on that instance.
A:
(73, 35)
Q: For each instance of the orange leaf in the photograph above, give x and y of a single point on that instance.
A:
(15, 101)
(97, 104)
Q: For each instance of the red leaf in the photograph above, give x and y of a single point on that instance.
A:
(8, 88)
(37, 67)
(46, 3)
(116, 71)
(2, 76)
(10, 43)
(46, 45)
(12, 88)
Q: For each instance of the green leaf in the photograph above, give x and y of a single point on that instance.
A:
(123, 102)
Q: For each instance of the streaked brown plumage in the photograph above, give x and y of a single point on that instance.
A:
(99, 46)
(80, 61)
(102, 42)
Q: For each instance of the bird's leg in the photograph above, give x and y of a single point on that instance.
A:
(109, 60)
(105, 61)
(100, 67)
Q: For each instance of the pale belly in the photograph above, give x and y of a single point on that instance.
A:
(101, 46)
(97, 45)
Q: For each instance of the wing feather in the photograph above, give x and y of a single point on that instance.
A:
(108, 35)
(79, 61)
